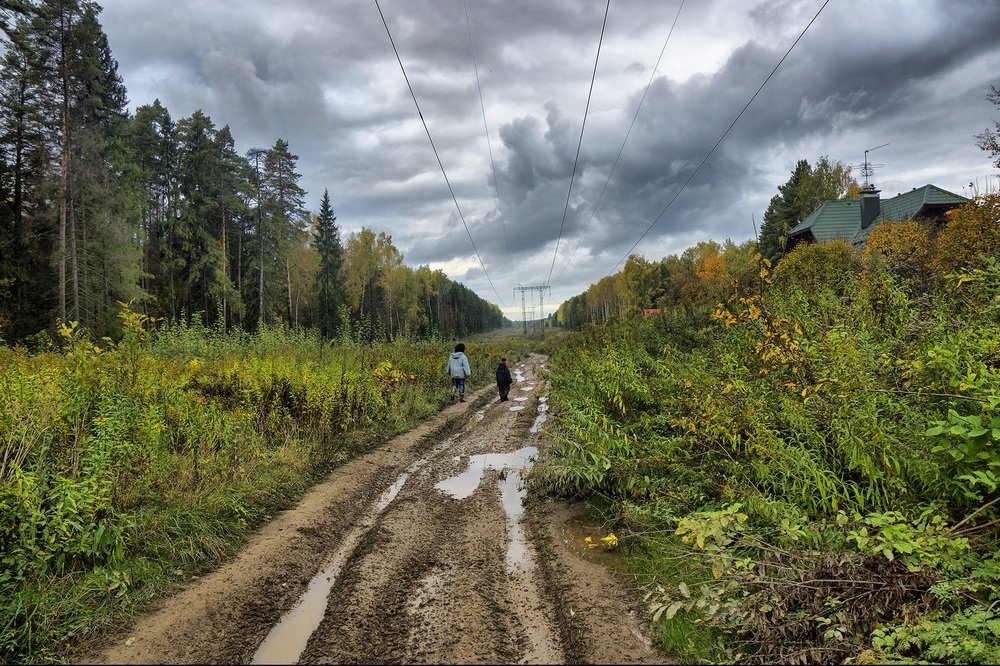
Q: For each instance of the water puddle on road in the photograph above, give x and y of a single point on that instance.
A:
(475, 419)
(517, 408)
(520, 398)
(543, 407)
(512, 466)
(288, 638)
(512, 497)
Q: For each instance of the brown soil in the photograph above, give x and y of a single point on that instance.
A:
(416, 552)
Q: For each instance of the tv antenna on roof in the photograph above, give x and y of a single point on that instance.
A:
(867, 168)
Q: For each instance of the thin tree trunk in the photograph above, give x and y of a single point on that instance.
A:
(83, 309)
(288, 282)
(206, 305)
(19, 194)
(73, 263)
(260, 235)
(63, 162)
(389, 292)
(225, 274)
(239, 268)
(260, 304)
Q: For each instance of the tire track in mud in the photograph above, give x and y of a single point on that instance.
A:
(413, 553)
(432, 578)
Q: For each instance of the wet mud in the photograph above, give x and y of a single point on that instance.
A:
(422, 551)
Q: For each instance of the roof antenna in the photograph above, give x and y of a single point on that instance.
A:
(867, 168)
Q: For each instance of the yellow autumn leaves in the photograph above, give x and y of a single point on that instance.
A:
(609, 542)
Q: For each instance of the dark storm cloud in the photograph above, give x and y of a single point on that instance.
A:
(828, 85)
(323, 76)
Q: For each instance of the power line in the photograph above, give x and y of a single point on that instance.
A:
(489, 145)
(724, 135)
(580, 143)
(627, 134)
(438, 157)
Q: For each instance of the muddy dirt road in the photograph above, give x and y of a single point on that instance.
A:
(422, 551)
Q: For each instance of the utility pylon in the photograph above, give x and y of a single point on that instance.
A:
(541, 289)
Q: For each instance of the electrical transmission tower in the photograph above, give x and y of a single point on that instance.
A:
(541, 289)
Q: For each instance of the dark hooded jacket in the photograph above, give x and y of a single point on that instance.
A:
(503, 375)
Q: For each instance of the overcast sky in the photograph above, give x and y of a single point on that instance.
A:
(322, 75)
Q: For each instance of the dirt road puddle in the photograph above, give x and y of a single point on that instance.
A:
(511, 466)
(287, 639)
(543, 407)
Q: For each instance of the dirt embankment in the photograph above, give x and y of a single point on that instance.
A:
(421, 551)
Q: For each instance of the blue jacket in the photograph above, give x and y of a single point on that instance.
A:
(458, 366)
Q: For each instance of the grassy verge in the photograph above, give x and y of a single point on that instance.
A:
(805, 474)
(130, 466)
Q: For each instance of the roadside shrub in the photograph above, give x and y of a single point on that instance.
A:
(822, 451)
(972, 232)
(815, 267)
(906, 247)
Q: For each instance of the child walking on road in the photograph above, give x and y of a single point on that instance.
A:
(504, 379)
(459, 370)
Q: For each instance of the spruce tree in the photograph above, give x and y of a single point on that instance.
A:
(328, 284)
(805, 190)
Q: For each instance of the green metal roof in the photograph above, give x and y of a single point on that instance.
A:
(841, 218)
(909, 205)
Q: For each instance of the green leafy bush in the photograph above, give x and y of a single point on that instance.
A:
(827, 452)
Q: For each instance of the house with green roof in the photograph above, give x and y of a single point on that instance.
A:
(853, 219)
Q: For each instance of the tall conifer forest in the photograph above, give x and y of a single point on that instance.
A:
(100, 206)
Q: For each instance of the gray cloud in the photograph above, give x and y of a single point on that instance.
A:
(323, 76)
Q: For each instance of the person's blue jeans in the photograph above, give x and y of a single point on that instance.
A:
(458, 383)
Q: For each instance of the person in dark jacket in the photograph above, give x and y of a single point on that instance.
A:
(504, 379)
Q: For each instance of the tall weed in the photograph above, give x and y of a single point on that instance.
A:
(852, 424)
(170, 444)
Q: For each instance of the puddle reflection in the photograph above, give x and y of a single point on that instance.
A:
(512, 495)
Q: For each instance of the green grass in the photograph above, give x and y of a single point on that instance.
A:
(665, 560)
(850, 450)
(134, 460)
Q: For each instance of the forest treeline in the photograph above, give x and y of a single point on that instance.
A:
(709, 271)
(100, 206)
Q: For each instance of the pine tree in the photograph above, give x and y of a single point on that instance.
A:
(326, 241)
(70, 170)
(255, 156)
(232, 189)
(805, 190)
(155, 153)
(106, 194)
(782, 214)
(27, 279)
(285, 214)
